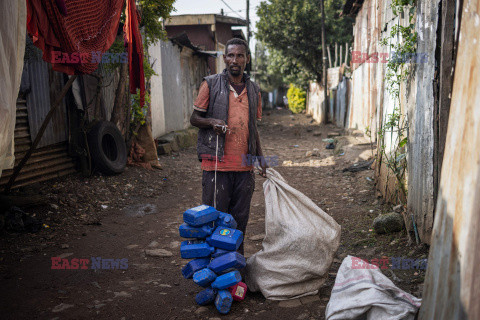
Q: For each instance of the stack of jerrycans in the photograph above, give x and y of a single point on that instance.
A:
(212, 244)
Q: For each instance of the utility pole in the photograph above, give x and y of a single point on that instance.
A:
(324, 64)
(248, 32)
(248, 22)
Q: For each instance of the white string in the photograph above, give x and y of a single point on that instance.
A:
(224, 130)
(215, 190)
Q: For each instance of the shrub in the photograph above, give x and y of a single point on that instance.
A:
(296, 99)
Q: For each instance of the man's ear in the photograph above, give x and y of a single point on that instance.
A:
(248, 58)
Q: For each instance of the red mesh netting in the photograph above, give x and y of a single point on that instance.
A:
(89, 26)
(71, 32)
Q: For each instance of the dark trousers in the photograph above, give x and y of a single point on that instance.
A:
(234, 195)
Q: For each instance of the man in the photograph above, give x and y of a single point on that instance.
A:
(226, 111)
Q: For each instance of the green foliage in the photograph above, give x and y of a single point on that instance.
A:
(291, 31)
(296, 98)
(267, 79)
(152, 11)
(139, 114)
(397, 72)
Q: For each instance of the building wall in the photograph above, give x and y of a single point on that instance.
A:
(372, 105)
(200, 35)
(224, 32)
(179, 74)
(452, 282)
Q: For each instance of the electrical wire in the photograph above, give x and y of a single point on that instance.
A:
(232, 9)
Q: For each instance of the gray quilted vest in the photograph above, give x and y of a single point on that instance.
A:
(218, 109)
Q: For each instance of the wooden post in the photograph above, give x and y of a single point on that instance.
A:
(324, 64)
(329, 58)
(336, 55)
(40, 133)
(346, 53)
(341, 56)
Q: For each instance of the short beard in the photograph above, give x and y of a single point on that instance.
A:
(235, 73)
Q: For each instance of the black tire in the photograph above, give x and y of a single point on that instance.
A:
(107, 148)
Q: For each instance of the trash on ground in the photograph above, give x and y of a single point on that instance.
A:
(215, 261)
(363, 290)
(18, 221)
(300, 242)
(359, 166)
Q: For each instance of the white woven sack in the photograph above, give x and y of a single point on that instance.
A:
(300, 241)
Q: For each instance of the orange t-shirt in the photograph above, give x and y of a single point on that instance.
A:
(236, 138)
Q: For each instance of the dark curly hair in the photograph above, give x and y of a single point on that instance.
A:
(237, 41)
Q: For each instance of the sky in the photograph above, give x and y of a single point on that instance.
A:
(214, 6)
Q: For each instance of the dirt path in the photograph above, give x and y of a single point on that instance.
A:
(120, 217)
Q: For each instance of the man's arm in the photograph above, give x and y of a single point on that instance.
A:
(262, 162)
(198, 120)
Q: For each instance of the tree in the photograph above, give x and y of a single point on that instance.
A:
(151, 13)
(291, 30)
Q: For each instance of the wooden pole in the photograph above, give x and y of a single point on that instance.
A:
(341, 56)
(324, 64)
(336, 54)
(329, 57)
(346, 53)
(40, 133)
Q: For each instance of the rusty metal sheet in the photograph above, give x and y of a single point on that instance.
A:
(45, 163)
(453, 279)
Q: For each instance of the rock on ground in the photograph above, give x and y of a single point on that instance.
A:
(387, 223)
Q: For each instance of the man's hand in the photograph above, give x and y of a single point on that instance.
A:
(219, 126)
(263, 167)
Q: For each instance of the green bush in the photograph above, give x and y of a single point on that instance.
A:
(296, 99)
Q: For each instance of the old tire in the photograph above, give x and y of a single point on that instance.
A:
(107, 148)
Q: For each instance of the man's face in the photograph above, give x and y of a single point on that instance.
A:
(236, 59)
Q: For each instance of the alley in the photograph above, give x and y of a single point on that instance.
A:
(136, 215)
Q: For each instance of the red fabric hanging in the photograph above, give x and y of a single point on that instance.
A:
(72, 33)
(133, 38)
(69, 32)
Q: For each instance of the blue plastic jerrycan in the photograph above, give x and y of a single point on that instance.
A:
(226, 280)
(193, 266)
(204, 277)
(223, 301)
(187, 231)
(226, 238)
(225, 220)
(219, 252)
(206, 296)
(195, 249)
(200, 215)
(227, 261)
